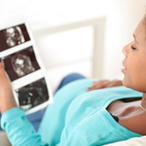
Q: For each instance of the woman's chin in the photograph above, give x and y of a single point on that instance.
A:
(133, 87)
(126, 84)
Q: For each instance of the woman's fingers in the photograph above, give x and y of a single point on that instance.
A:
(99, 82)
(2, 70)
(104, 84)
(7, 100)
(98, 85)
(115, 83)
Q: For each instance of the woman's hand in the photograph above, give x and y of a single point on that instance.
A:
(105, 84)
(7, 100)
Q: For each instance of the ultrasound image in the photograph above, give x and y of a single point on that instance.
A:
(33, 94)
(13, 36)
(21, 63)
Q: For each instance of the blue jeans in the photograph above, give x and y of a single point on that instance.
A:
(35, 118)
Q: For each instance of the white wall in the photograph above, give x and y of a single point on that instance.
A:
(122, 18)
(122, 22)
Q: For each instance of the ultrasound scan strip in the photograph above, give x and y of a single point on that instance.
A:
(13, 36)
(33, 94)
(21, 63)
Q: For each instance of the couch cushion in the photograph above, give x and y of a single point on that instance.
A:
(3, 139)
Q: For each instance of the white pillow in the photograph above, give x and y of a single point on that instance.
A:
(136, 141)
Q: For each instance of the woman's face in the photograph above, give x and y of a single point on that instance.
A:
(134, 64)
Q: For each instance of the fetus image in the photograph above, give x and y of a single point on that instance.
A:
(22, 64)
(14, 36)
(33, 94)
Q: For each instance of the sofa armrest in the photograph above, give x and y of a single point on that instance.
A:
(3, 139)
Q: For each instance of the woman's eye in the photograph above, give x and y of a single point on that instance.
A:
(133, 47)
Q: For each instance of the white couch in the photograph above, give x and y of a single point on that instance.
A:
(141, 141)
(3, 139)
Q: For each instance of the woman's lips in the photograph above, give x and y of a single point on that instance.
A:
(123, 69)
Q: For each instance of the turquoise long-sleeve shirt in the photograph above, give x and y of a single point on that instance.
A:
(77, 118)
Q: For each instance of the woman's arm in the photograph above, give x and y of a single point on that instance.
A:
(20, 132)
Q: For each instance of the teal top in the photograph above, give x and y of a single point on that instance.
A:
(77, 118)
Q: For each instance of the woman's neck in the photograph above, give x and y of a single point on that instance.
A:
(143, 101)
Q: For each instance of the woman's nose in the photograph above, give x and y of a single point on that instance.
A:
(125, 50)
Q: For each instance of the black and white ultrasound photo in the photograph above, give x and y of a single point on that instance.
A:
(13, 36)
(33, 94)
(21, 63)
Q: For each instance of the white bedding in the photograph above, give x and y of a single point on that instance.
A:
(137, 141)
